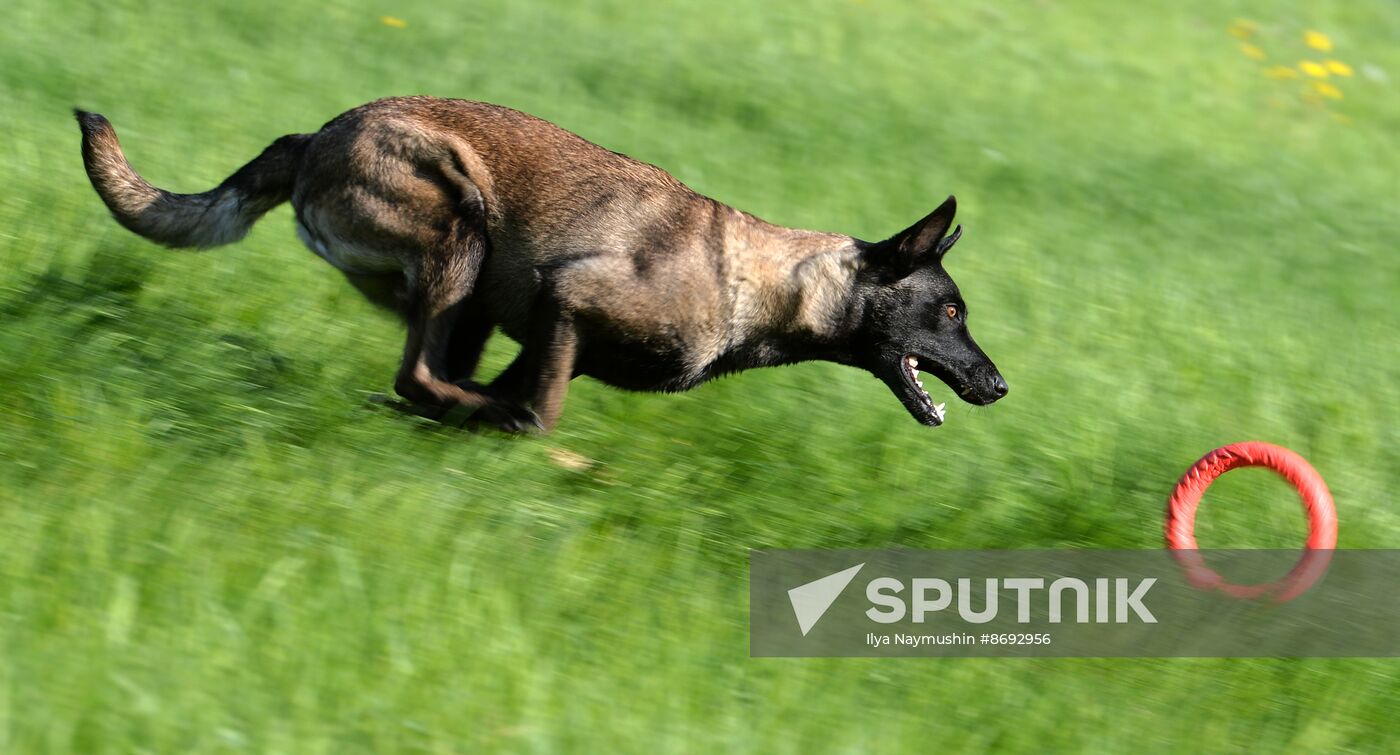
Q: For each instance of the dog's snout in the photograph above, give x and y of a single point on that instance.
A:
(999, 386)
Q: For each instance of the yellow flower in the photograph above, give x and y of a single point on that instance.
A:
(1339, 68)
(1252, 51)
(1317, 40)
(1281, 72)
(1313, 68)
(397, 23)
(1242, 29)
(1327, 90)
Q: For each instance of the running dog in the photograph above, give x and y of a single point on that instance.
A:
(465, 216)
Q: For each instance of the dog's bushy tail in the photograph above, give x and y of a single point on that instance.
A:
(221, 215)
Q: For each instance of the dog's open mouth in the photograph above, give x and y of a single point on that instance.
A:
(916, 399)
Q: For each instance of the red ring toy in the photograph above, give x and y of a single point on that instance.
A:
(1317, 501)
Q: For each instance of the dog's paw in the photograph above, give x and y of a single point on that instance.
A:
(507, 417)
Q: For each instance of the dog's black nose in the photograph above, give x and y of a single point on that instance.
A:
(999, 386)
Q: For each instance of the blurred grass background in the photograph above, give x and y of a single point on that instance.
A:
(211, 540)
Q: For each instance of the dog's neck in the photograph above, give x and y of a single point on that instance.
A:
(792, 297)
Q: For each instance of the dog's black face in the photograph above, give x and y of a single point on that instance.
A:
(914, 319)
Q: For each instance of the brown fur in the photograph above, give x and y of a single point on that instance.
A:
(464, 215)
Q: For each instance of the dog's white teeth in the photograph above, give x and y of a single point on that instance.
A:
(938, 411)
(912, 362)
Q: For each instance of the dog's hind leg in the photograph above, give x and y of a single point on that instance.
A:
(439, 291)
(469, 334)
(465, 345)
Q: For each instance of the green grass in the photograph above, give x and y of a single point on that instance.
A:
(211, 540)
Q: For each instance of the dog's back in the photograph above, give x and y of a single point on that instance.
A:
(380, 179)
(538, 182)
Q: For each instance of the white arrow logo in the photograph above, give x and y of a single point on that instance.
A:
(810, 601)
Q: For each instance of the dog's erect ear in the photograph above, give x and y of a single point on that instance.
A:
(920, 244)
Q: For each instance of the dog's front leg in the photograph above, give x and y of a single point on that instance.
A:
(542, 370)
(556, 369)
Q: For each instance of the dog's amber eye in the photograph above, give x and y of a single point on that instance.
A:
(952, 311)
